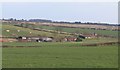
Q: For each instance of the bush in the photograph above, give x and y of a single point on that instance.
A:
(78, 40)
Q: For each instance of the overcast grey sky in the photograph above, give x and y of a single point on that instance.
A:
(63, 11)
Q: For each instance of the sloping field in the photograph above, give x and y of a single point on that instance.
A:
(80, 30)
(12, 31)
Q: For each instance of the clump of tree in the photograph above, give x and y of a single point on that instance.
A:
(39, 20)
(78, 39)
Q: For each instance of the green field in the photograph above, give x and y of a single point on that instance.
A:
(55, 56)
(80, 30)
(25, 32)
(42, 44)
(64, 29)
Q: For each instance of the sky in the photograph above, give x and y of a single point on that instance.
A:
(59, 0)
(62, 11)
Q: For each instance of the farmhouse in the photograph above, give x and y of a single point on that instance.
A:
(70, 39)
(81, 36)
(84, 36)
(45, 39)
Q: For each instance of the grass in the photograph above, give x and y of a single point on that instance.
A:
(80, 30)
(25, 32)
(99, 40)
(44, 44)
(58, 56)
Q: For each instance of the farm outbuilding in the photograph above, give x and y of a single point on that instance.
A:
(45, 39)
(81, 36)
(35, 39)
(92, 35)
(70, 39)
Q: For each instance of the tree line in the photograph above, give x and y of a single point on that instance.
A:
(62, 22)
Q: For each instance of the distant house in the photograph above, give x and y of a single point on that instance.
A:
(70, 39)
(45, 39)
(81, 36)
(22, 38)
(84, 36)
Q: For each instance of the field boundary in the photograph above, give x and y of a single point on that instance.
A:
(101, 44)
(82, 45)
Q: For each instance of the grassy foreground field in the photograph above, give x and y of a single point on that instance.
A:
(59, 56)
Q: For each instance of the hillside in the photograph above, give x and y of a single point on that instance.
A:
(13, 31)
(82, 30)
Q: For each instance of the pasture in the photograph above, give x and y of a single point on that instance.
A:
(13, 31)
(64, 29)
(26, 32)
(61, 55)
(57, 54)
(80, 30)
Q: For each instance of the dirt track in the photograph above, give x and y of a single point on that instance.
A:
(7, 40)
